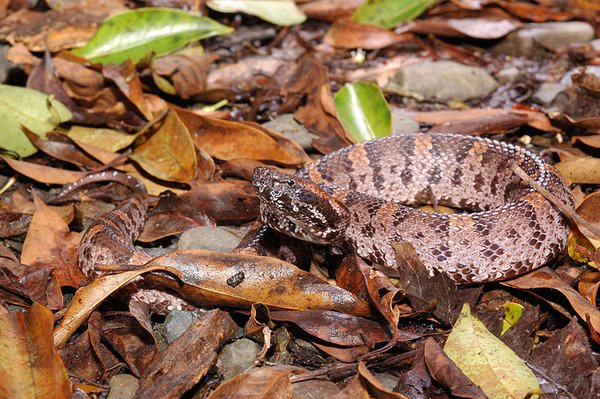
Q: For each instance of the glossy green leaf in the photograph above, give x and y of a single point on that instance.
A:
(362, 109)
(487, 361)
(280, 12)
(35, 110)
(137, 33)
(389, 13)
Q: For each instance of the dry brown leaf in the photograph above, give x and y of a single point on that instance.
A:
(477, 25)
(227, 140)
(239, 280)
(169, 153)
(70, 26)
(31, 366)
(376, 389)
(263, 383)
(50, 244)
(345, 33)
(87, 298)
(170, 377)
(546, 278)
(591, 140)
(44, 174)
(330, 10)
(584, 170)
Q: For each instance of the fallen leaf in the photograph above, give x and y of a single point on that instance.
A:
(482, 25)
(375, 388)
(87, 298)
(263, 382)
(32, 109)
(345, 33)
(390, 13)
(168, 376)
(490, 364)
(584, 170)
(329, 10)
(169, 153)
(282, 12)
(545, 278)
(136, 33)
(363, 110)
(31, 366)
(50, 244)
(226, 140)
(44, 174)
(106, 139)
(444, 371)
(207, 280)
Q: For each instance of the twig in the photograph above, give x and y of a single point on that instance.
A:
(564, 208)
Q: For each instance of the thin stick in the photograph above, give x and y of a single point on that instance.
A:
(564, 208)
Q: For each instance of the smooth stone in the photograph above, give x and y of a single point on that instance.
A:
(507, 75)
(218, 239)
(546, 92)
(177, 321)
(402, 123)
(237, 357)
(442, 81)
(122, 386)
(535, 39)
(387, 380)
(287, 126)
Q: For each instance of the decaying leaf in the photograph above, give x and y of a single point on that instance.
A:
(31, 368)
(489, 363)
(238, 280)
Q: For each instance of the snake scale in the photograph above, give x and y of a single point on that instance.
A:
(356, 198)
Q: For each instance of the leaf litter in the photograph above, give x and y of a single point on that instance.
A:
(183, 111)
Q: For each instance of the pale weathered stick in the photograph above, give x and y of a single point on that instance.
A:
(564, 208)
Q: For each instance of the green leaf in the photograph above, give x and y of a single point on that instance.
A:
(33, 109)
(512, 313)
(389, 13)
(490, 364)
(362, 109)
(280, 12)
(134, 34)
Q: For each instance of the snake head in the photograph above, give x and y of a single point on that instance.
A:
(299, 208)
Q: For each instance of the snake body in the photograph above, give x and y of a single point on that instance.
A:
(357, 198)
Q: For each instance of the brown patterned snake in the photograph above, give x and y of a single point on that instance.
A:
(355, 198)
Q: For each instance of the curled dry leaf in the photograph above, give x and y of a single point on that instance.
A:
(546, 278)
(169, 153)
(86, 299)
(444, 371)
(239, 280)
(336, 328)
(31, 366)
(170, 377)
(374, 386)
(226, 140)
(483, 25)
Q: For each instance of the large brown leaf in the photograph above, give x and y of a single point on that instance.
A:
(30, 366)
(50, 244)
(227, 140)
(239, 280)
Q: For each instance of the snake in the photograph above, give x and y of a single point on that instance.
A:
(362, 199)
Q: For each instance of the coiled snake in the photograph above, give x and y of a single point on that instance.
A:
(355, 198)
